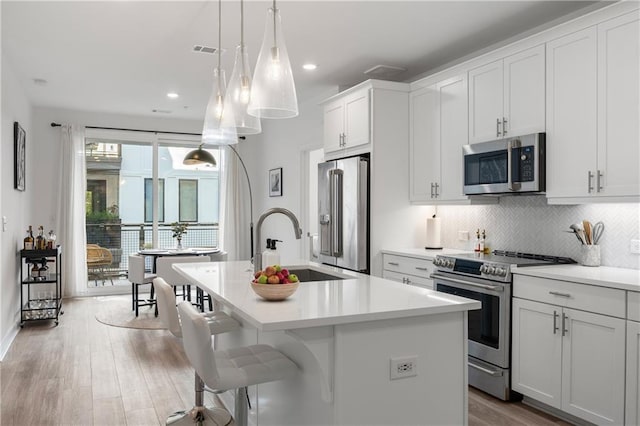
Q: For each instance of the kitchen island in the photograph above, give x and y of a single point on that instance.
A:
(347, 336)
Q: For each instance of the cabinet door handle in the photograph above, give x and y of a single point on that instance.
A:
(394, 263)
(408, 281)
(564, 320)
(598, 180)
(504, 126)
(589, 177)
(344, 139)
(555, 324)
(436, 185)
(497, 127)
(555, 293)
(431, 189)
(421, 268)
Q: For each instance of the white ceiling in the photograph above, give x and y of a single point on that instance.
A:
(124, 56)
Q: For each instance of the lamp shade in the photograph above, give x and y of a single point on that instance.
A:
(273, 94)
(239, 94)
(219, 124)
(199, 156)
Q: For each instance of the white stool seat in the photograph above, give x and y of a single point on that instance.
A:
(235, 368)
(219, 322)
(138, 276)
(251, 365)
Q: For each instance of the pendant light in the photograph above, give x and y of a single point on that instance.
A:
(199, 156)
(219, 123)
(239, 89)
(273, 94)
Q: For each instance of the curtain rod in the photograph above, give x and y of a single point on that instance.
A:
(138, 130)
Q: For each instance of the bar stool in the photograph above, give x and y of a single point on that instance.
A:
(218, 322)
(164, 269)
(234, 368)
(201, 296)
(138, 276)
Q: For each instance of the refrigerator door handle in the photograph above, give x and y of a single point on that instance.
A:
(335, 185)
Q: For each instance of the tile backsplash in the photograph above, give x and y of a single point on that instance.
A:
(528, 224)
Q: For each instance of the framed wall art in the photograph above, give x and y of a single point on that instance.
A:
(19, 157)
(275, 182)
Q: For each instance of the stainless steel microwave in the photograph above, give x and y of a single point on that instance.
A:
(505, 166)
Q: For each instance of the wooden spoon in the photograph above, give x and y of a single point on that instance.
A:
(587, 231)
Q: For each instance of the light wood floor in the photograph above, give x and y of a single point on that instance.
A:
(83, 372)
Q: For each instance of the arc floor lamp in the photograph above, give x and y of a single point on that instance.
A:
(200, 156)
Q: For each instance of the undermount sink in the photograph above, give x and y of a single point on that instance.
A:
(307, 275)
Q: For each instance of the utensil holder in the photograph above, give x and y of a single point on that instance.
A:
(590, 255)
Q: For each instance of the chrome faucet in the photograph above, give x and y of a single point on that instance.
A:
(257, 259)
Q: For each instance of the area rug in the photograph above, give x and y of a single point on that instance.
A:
(116, 311)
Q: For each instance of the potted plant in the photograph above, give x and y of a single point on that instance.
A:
(179, 229)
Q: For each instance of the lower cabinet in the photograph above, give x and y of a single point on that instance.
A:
(632, 410)
(408, 270)
(570, 360)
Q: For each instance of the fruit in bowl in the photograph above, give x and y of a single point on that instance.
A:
(274, 283)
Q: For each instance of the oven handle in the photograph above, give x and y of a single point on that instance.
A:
(453, 280)
(485, 370)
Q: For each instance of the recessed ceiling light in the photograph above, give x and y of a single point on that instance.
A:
(40, 81)
(172, 95)
(309, 67)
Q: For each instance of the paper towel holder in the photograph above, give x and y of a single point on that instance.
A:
(433, 227)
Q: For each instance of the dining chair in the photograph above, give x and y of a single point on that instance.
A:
(227, 369)
(138, 276)
(218, 322)
(164, 269)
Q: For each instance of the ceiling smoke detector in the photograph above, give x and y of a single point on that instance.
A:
(384, 71)
(198, 48)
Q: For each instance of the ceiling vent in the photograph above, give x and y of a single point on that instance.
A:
(206, 49)
(384, 71)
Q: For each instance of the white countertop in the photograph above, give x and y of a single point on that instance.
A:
(422, 253)
(357, 299)
(603, 276)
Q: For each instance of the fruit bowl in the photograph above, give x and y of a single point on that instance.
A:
(274, 291)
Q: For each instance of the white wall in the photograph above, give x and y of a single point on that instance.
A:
(15, 205)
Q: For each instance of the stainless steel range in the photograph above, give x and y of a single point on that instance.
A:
(487, 279)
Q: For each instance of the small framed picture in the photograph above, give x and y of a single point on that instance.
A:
(275, 182)
(19, 160)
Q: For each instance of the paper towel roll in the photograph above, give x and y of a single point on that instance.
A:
(434, 225)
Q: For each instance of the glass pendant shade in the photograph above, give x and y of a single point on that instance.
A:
(273, 94)
(219, 124)
(239, 94)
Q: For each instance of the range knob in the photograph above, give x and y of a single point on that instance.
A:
(483, 269)
(501, 272)
(491, 270)
(450, 263)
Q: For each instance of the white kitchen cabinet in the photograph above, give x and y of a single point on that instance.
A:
(592, 113)
(438, 117)
(568, 358)
(632, 407)
(347, 121)
(408, 270)
(506, 97)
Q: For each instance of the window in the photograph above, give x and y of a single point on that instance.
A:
(188, 200)
(148, 200)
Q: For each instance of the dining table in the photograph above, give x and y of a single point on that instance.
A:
(192, 251)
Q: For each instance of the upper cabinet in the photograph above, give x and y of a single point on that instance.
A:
(347, 121)
(437, 132)
(506, 97)
(593, 137)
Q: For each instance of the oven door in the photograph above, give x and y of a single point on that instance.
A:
(489, 326)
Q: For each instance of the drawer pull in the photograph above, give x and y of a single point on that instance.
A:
(394, 263)
(555, 293)
(421, 268)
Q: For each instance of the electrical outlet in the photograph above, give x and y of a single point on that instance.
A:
(403, 367)
(634, 246)
(463, 235)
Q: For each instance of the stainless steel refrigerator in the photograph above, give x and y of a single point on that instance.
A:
(343, 213)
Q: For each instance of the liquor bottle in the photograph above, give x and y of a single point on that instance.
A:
(483, 241)
(40, 241)
(476, 246)
(35, 271)
(28, 240)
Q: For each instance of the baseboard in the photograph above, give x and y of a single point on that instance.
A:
(555, 412)
(8, 340)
